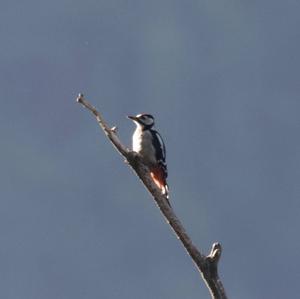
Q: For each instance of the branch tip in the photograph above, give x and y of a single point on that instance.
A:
(215, 252)
(79, 98)
(114, 129)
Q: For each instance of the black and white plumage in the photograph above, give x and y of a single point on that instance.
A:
(149, 144)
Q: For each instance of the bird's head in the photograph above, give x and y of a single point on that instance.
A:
(143, 120)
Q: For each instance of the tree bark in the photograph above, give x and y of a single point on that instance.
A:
(206, 265)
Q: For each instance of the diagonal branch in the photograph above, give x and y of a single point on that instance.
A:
(206, 265)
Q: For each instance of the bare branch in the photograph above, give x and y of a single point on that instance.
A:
(207, 265)
(109, 132)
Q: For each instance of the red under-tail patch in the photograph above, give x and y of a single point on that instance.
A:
(158, 176)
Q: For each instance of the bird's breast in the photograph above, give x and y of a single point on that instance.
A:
(142, 144)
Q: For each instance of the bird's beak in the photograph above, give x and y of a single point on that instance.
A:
(132, 118)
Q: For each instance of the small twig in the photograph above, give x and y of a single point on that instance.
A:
(207, 265)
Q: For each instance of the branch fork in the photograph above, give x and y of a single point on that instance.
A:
(206, 265)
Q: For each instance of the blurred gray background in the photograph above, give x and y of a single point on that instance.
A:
(222, 79)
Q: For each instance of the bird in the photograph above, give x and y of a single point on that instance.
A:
(149, 144)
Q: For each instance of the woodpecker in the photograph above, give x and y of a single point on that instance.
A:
(148, 143)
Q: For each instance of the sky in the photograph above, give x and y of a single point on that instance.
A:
(221, 79)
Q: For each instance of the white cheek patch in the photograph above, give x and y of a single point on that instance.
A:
(147, 121)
